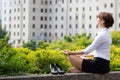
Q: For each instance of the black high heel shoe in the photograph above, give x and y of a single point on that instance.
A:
(59, 69)
(53, 69)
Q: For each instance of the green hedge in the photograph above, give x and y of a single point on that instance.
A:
(25, 61)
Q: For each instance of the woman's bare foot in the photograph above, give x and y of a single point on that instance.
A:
(75, 70)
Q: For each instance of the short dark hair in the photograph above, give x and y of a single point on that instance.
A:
(107, 17)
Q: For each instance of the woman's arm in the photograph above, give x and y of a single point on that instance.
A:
(67, 52)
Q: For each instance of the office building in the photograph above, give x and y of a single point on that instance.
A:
(52, 19)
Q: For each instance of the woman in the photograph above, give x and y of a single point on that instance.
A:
(101, 46)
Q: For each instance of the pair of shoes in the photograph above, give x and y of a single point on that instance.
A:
(55, 69)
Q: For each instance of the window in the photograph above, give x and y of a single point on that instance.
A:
(24, 9)
(14, 25)
(41, 26)
(46, 2)
(83, 16)
(119, 15)
(70, 26)
(33, 26)
(50, 2)
(23, 41)
(83, 26)
(56, 18)
(18, 9)
(90, 8)
(77, 9)
(70, 9)
(62, 1)
(56, 26)
(83, 1)
(14, 34)
(61, 34)
(76, 26)
(42, 10)
(33, 9)
(90, 17)
(4, 18)
(62, 9)
(70, 17)
(45, 26)
(56, 1)
(62, 18)
(70, 34)
(23, 25)
(18, 2)
(105, 5)
(90, 34)
(49, 34)
(9, 18)
(45, 18)
(50, 26)
(18, 25)
(97, 26)
(83, 8)
(62, 26)
(9, 26)
(45, 10)
(41, 1)
(18, 41)
(76, 17)
(50, 10)
(76, 1)
(17, 33)
(23, 17)
(24, 1)
(50, 18)
(33, 34)
(55, 34)
(34, 1)
(45, 34)
(111, 5)
(97, 8)
(119, 25)
(14, 41)
(33, 18)
(14, 10)
(4, 11)
(18, 18)
(56, 9)
(89, 26)
(41, 18)
(10, 11)
(14, 17)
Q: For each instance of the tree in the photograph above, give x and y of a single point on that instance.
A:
(3, 32)
(30, 45)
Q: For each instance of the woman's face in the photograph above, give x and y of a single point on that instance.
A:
(100, 22)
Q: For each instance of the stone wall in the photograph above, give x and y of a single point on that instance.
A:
(68, 76)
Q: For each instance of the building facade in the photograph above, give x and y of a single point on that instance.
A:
(53, 19)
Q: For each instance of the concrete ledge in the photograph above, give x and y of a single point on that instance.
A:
(68, 76)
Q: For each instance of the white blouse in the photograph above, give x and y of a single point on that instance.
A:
(101, 45)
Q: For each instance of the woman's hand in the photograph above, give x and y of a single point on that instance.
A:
(67, 52)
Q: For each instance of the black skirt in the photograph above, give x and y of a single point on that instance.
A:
(97, 65)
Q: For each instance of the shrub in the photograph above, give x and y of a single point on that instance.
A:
(45, 57)
(116, 38)
(115, 58)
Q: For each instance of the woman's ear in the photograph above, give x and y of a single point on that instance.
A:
(103, 22)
